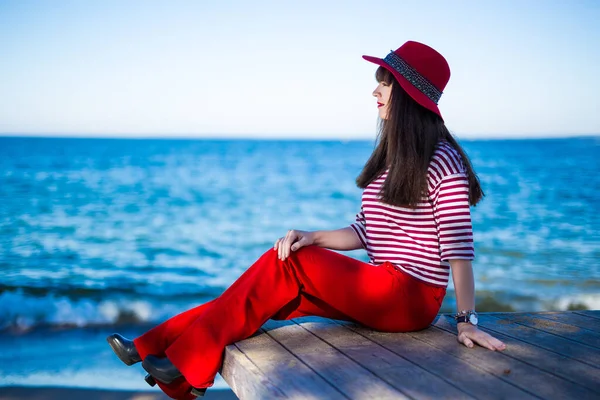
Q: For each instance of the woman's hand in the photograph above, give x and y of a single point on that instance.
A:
(292, 242)
(467, 334)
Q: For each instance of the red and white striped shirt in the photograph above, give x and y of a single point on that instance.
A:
(420, 241)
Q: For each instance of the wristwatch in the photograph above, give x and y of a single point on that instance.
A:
(469, 316)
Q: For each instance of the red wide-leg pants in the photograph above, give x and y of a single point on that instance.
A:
(311, 281)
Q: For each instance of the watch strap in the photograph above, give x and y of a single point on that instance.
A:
(465, 316)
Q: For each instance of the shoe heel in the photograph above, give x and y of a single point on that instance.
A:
(198, 392)
(150, 380)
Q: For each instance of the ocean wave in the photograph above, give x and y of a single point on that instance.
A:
(76, 291)
(583, 301)
(514, 301)
(20, 311)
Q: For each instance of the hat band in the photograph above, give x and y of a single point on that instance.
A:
(411, 75)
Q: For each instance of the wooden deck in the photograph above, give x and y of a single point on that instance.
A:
(550, 355)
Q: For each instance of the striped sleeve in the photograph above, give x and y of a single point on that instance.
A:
(360, 228)
(453, 216)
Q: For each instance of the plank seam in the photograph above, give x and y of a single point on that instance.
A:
(492, 373)
(594, 348)
(265, 375)
(540, 315)
(533, 344)
(533, 365)
(354, 361)
(526, 363)
(308, 366)
(528, 343)
(410, 361)
(586, 315)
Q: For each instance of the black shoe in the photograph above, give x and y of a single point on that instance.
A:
(198, 392)
(161, 369)
(124, 349)
(150, 380)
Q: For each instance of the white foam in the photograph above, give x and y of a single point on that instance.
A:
(22, 311)
(590, 300)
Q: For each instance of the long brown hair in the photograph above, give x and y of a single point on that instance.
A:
(406, 143)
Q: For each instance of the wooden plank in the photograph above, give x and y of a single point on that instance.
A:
(244, 378)
(400, 373)
(549, 355)
(470, 378)
(570, 332)
(560, 365)
(347, 376)
(536, 337)
(589, 313)
(525, 365)
(582, 321)
(284, 371)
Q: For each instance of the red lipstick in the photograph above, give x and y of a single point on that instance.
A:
(379, 104)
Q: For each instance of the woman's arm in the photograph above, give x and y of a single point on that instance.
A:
(339, 239)
(464, 285)
(464, 288)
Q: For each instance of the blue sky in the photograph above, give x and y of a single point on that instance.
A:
(290, 69)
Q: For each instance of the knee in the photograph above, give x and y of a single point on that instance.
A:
(304, 253)
(298, 256)
(293, 253)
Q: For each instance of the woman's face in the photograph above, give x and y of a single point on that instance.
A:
(382, 93)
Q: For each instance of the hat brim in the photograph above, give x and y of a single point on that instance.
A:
(412, 91)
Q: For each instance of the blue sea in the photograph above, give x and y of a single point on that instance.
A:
(98, 235)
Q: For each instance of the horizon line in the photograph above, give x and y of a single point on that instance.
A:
(230, 136)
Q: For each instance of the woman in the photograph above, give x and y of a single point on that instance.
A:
(414, 223)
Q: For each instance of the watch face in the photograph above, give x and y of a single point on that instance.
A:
(473, 319)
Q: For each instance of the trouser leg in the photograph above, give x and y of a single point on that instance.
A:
(157, 339)
(371, 295)
(306, 305)
(152, 342)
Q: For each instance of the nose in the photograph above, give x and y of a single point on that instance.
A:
(376, 92)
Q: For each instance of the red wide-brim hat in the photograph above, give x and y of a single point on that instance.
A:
(421, 71)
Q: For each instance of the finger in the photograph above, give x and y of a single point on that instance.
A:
(497, 343)
(488, 341)
(276, 244)
(466, 341)
(278, 247)
(284, 245)
(298, 244)
(295, 242)
(281, 245)
(290, 239)
(483, 342)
